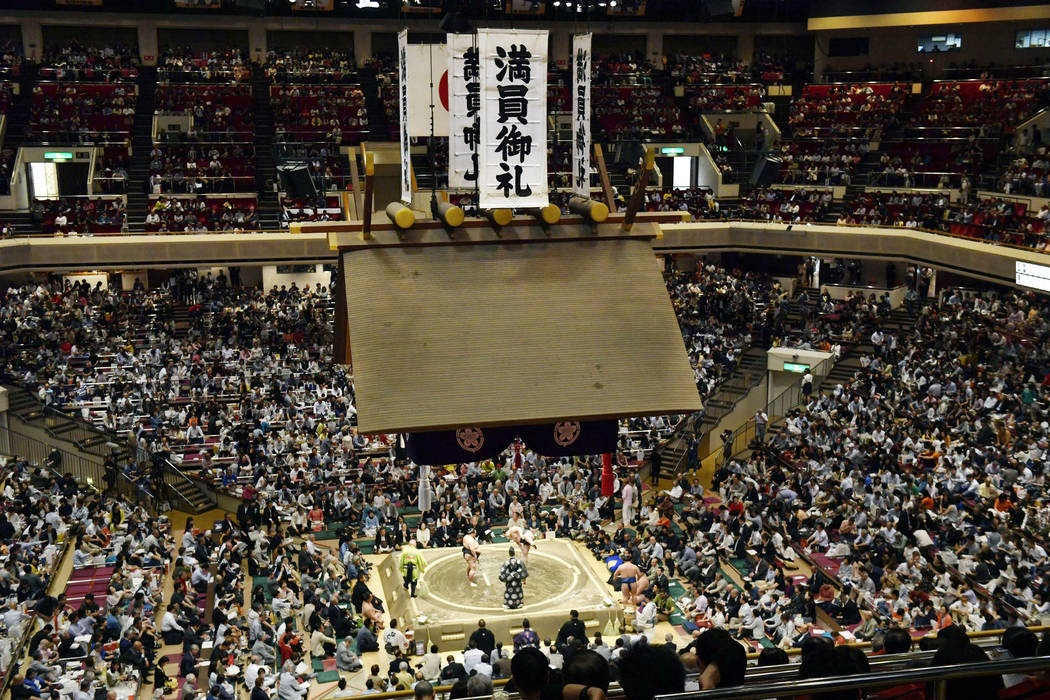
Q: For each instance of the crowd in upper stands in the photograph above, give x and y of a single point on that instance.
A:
(76, 62)
(80, 216)
(184, 65)
(790, 205)
(197, 168)
(202, 214)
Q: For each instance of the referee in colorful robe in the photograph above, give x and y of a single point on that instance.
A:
(513, 574)
(412, 566)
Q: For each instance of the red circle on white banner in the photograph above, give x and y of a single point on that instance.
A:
(443, 90)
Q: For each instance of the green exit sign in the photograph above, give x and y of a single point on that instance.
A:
(672, 150)
(58, 155)
(795, 367)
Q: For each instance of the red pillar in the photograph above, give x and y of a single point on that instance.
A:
(607, 475)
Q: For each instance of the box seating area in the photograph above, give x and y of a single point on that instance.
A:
(306, 66)
(304, 210)
(912, 209)
(82, 112)
(202, 167)
(11, 57)
(819, 162)
(724, 98)
(203, 213)
(715, 69)
(214, 108)
(643, 111)
(183, 65)
(697, 201)
(320, 112)
(836, 109)
(74, 62)
(786, 204)
(79, 215)
(991, 106)
(1000, 221)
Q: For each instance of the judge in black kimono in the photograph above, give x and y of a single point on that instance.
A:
(513, 574)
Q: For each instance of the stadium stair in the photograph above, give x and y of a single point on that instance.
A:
(18, 115)
(141, 145)
(378, 128)
(190, 497)
(268, 210)
(744, 377)
(14, 136)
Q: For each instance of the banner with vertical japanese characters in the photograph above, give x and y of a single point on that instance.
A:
(512, 155)
(581, 115)
(402, 104)
(464, 83)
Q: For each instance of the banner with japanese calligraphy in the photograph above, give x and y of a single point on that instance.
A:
(581, 115)
(402, 105)
(512, 156)
(464, 97)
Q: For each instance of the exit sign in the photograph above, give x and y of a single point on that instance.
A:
(795, 367)
(58, 155)
(672, 150)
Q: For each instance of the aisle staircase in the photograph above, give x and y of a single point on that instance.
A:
(141, 145)
(268, 210)
(86, 438)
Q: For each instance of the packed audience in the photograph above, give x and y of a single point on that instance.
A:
(895, 503)
(699, 202)
(101, 641)
(916, 490)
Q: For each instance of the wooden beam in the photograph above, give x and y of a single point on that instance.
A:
(341, 341)
(603, 175)
(355, 179)
(639, 190)
(366, 217)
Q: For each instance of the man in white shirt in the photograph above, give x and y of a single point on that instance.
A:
(472, 657)
(170, 629)
(254, 669)
(393, 638)
(645, 618)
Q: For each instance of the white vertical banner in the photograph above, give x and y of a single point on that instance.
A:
(427, 66)
(512, 156)
(464, 98)
(581, 115)
(406, 140)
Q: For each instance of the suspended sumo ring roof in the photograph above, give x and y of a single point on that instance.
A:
(525, 328)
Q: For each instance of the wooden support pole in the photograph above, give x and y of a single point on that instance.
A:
(341, 340)
(603, 175)
(639, 190)
(366, 218)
